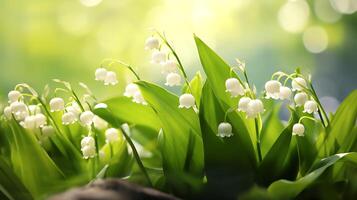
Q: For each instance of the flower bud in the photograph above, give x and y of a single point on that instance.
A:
(186, 101)
(86, 118)
(100, 74)
(68, 118)
(99, 123)
(310, 107)
(111, 135)
(234, 87)
(285, 93)
(158, 57)
(298, 129)
(13, 96)
(110, 78)
(224, 130)
(173, 79)
(87, 141)
(255, 107)
(243, 104)
(88, 152)
(152, 43)
(169, 66)
(131, 89)
(272, 89)
(300, 98)
(298, 84)
(56, 104)
(47, 131)
(41, 120)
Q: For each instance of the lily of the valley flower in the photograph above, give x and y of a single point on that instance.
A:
(110, 78)
(7, 112)
(272, 89)
(158, 57)
(243, 104)
(169, 66)
(131, 89)
(255, 107)
(13, 96)
(310, 107)
(86, 118)
(41, 120)
(298, 129)
(173, 79)
(298, 84)
(100, 74)
(74, 108)
(68, 118)
(152, 43)
(138, 98)
(186, 101)
(285, 93)
(47, 131)
(234, 87)
(88, 147)
(34, 109)
(19, 110)
(300, 98)
(56, 104)
(111, 135)
(99, 123)
(224, 130)
(29, 122)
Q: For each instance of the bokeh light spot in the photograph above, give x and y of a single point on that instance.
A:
(294, 15)
(315, 39)
(90, 3)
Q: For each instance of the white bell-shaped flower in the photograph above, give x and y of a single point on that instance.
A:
(7, 112)
(224, 130)
(86, 118)
(110, 78)
(300, 98)
(41, 120)
(100, 105)
(74, 108)
(234, 87)
(298, 84)
(34, 109)
(13, 96)
(255, 107)
(100, 74)
(88, 152)
(68, 118)
(169, 66)
(310, 107)
(87, 141)
(56, 104)
(152, 43)
(285, 93)
(186, 101)
(138, 98)
(47, 131)
(243, 104)
(173, 79)
(99, 123)
(29, 122)
(158, 57)
(111, 135)
(131, 89)
(19, 109)
(272, 89)
(298, 129)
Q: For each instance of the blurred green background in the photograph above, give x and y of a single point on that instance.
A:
(67, 39)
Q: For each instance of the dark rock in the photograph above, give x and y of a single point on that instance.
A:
(112, 189)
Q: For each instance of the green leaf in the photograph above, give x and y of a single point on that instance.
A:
(195, 89)
(178, 125)
(284, 189)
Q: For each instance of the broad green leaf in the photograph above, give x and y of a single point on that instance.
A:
(178, 124)
(342, 124)
(230, 163)
(195, 89)
(284, 189)
(273, 162)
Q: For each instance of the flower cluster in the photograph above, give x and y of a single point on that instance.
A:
(108, 77)
(88, 147)
(133, 91)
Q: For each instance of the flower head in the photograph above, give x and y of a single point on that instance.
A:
(13, 96)
(173, 79)
(255, 107)
(86, 118)
(41, 120)
(224, 130)
(110, 78)
(310, 107)
(131, 89)
(56, 104)
(88, 147)
(7, 112)
(138, 98)
(29, 122)
(158, 57)
(47, 131)
(34, 109)
(234, 87)
(152, 43)
(169, 66)
(272, 89)
(285, 92)
(186, 101)
(298, 129)
(298, 84)
(300, 98)
(68, 118)
(100, 74)
(74, 108)
(19, 109)
(243, 104)
(87, 141)
(99, 123)
(111, 135)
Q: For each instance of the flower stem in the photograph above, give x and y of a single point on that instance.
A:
(258, 140)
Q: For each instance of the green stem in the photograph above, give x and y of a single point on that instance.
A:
(320, 106)
(258, 140)
(127, 66)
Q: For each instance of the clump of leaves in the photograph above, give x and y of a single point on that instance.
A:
(219, 139)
